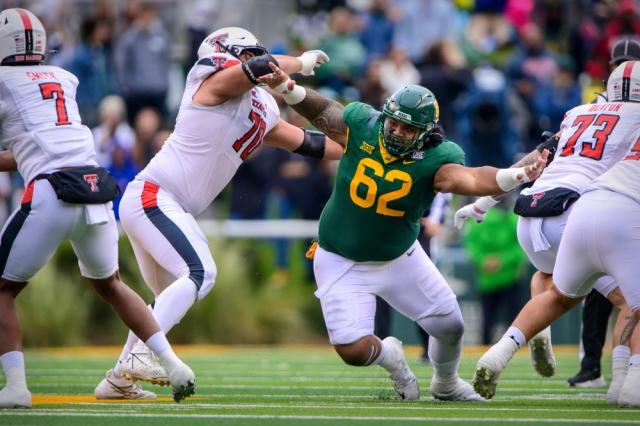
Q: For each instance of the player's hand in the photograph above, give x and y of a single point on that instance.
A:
(467, 212)
(533, 171)
(312, 59)
(274, 78)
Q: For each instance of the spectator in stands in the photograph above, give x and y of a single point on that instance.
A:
(142, 58)
(345, 50)
(370, 87)
(495, 252)
(423, 23)
(113, 131)
(379, 25)
(397, 71)
(552, 100)
(532, 66)
(485, 125)
(444, 71)
(147, 124)
(91, 63)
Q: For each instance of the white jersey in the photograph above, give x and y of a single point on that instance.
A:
(39, 120)
(624, 177)
(594, 138)
(209, 143)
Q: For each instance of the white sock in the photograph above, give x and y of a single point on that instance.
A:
(516, 335)
(132, 339)
(381, 355)
(160, 346)
(174, 303)
(634, 360)
(621, 352)
(383, 360)
(445, 371)
(13, 366)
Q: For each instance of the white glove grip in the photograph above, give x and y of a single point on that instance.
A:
(507, 179)
(294, 96)
(485, 203)
(308, 63)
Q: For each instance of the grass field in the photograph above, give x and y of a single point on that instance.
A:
(302, 386)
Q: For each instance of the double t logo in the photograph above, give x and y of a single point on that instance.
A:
(92, 179)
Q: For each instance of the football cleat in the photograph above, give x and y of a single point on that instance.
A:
(619, 369)
(629, 395)
(542, 354)
(142, 364)
(456, 390)
(15, 398)
(404, 381)
(588, 379)
(491, 364)
(112, 387)
(183, 381)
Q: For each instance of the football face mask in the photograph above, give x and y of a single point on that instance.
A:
(415, 107)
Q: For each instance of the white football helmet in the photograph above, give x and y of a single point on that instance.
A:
(23, 39)
(624, 83)
(232, 40)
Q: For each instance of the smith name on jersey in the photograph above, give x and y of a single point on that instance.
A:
(40, 120)
(375, 209)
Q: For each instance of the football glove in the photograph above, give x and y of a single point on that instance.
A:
(312, 59)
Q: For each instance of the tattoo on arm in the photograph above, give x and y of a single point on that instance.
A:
(627, 331)
(323, 113)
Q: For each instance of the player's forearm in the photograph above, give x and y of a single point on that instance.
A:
(325, 114)
(7, 162)
(479, 181)
(288, 64)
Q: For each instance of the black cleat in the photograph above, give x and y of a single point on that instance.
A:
(588, 379)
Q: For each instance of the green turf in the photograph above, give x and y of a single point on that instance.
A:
(306, 386)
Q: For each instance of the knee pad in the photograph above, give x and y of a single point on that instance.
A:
(449, 327)
(209, 274)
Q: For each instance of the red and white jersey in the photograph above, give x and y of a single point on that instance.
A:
(209, 143)
(594, 138)
(39, 120)
(624, 176)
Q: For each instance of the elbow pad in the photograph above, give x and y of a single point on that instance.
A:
(313, 144)
(258, 66)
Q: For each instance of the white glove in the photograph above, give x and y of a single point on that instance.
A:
(476, 210)
(312, 59)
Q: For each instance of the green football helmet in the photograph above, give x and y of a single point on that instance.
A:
(415, 106)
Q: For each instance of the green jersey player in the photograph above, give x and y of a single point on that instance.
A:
(394, 163)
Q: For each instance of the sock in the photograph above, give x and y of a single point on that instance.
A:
(516, 335)
(132, 339)
(445, 343)
(160, 346)
(384, 359)
(13, 366)
(380, 356)
(621, 352)
(174, 303)
(634, 360)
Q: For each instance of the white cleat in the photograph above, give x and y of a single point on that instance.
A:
(112, 387)
(183, 381)
(618, 374)
(404, 381)
(15, 398)
(542, 353)
(142, 364)
(629, 395)
(491, 364)
(457, 390)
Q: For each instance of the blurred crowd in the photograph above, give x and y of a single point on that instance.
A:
(502, 71)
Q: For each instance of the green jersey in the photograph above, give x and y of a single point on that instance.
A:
(377, 201)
